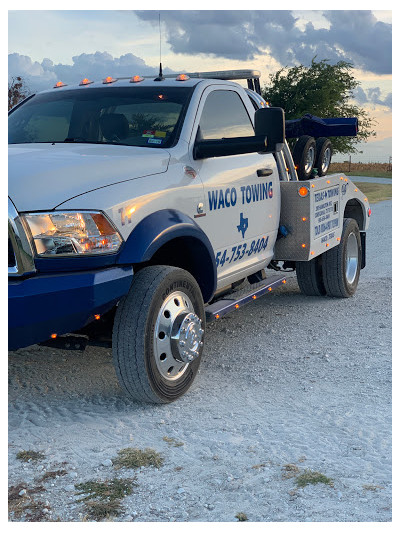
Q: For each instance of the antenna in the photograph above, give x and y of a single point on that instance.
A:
(160, 74)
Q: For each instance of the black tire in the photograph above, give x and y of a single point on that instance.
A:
(341, 265)
(304, 152)
(154, 311)
(310, 278)
(324, 155)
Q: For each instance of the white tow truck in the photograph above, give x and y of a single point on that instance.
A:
(151, 206)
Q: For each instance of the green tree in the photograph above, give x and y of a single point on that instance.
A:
(17, 91)
(323, 90)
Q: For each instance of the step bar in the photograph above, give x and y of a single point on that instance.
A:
(224, 306)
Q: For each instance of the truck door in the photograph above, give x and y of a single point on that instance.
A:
(242, 195)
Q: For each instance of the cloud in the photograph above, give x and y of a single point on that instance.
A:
(372, 95)
(355, 36)
(96, 66)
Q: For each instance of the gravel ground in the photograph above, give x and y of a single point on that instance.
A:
(288, 385)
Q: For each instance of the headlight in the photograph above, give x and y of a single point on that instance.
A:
(71, 233)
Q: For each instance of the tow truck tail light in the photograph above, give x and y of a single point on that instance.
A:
(136, 79)
(59, 84)
(182, 77)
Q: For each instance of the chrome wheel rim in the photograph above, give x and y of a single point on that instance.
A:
(326, 160)
(351, 258)
(310, 159)
(177, 336)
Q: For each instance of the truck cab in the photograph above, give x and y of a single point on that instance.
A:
(137, 202)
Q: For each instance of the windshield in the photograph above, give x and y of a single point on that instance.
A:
(133, 116)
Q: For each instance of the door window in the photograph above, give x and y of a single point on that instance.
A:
(224, 116)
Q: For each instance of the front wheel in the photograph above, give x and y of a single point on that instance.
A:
(158, 334)
(341, 265)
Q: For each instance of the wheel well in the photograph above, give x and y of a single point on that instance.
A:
(193, 256)
(354, 210)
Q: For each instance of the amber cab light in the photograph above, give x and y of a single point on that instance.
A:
(109, 79)
(85, 81)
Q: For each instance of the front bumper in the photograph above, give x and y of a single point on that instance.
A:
(42, 305)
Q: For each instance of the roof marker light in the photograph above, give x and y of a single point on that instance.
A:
(59, 84)
(182, 77)
(85, 81)
(136, 79)
(109, 79)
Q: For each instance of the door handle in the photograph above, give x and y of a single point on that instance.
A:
(263, 172)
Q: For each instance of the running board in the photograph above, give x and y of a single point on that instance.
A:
(224, 306)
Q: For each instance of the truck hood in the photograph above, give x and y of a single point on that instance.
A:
(42, 176)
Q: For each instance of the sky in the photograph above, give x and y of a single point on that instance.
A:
(48, 45)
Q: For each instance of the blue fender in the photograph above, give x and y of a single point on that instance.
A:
(162, 227)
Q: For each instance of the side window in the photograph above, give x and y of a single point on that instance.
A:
(224, 115)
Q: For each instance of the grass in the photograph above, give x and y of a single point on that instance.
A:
(173, 442)
(52, 474)
(375, 192)
(24, 504)
(374, 170)
(135, 458)
(30, 455)
(114, 489)
(242, 517)
(103, 510)
(289, 471)
(373, 488)
(310, 477)
(103, 498)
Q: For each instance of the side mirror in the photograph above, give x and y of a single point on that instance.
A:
(231, 146)
(270, 122)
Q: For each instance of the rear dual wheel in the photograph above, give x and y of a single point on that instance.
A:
(309, 153)
(336, 272)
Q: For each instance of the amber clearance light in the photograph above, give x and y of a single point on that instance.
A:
(303, 191)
